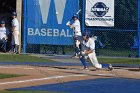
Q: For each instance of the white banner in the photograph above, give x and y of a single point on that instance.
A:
(99, 13)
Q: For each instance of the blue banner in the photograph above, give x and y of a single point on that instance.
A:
(46, 21)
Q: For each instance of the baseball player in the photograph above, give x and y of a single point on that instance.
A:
(76, 31)
(90, 50)
(3, 37)
(77, 38)
(15, 33)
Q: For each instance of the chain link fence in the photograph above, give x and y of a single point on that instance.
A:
(119, 41)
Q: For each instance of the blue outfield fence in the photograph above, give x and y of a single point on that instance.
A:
(45, 29)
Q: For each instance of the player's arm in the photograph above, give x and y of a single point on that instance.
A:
(5, 37)
(88, 51)
(71, 26)
(91, 48)
(13, 28)
(83, 53)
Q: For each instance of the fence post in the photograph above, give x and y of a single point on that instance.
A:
(83, 15)
(139, 26)
(24, 27)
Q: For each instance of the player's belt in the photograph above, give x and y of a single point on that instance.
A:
(15, 30)
(76, 32)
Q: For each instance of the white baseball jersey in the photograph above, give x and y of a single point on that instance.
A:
(90, 44)
(15, 24)
(2, 32)
(77, 27)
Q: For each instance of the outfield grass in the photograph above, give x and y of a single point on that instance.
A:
(119, 60)
(21, 58)
(117, 52)
(3, 76)
(28, 58)
(112, 52)
(25, 92)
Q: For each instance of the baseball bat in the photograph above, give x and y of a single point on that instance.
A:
(77, 13)
(71, 18)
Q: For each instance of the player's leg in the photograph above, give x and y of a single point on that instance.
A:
(94, 61)
(13, 43)
(83, 61)
(78, 51)
(77, 41)
(78, 47)
(16, 38)
(4, 44)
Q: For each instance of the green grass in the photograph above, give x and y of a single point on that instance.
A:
(28, 58)
(3, 76)
(119, 60)
(25, 92)
(112, 52)
(116, 52)
(21, 58)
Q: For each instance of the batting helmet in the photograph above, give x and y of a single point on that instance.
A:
(14, 14)
(2, 22)
(75, 16)
(85, 34)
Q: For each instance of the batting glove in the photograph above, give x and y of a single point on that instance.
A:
(83, 53)
(68, 23)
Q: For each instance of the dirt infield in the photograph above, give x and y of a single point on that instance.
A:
(36, 75)
(63, 69)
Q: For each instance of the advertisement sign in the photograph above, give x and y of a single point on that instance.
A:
(46, 21)
(99, 13)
